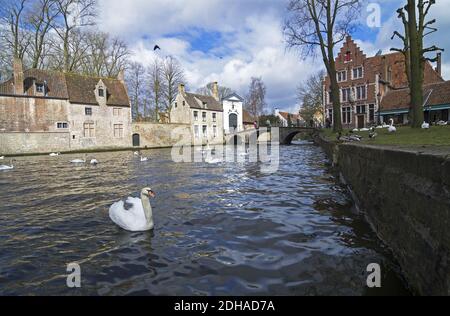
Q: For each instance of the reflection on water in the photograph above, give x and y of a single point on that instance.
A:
(225, 229)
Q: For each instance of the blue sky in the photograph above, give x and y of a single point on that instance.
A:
(230, 41)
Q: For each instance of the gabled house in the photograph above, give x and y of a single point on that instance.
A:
(288, 119)
(43, 111)
(203, 113)
(233, 114)
(365, 81)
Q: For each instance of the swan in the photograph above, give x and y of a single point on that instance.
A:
(6, 167)
(136, 153)
(135, 214)
(442, 123)
(54, 154)
(94, 162)
(392, 128)
(143, 159)
(425, 125)
(79, 160)
(212, 161)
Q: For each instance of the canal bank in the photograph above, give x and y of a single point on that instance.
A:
(405, 196)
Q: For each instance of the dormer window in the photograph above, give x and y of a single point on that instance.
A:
(39, 88)
(205, 105)
(101, 92)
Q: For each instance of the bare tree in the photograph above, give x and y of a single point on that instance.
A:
(209, 90)
(309, 95)
(12, 17)
(136, 85)
(255, 99)
(413, 50)
(73, 14)
(40, 16)
(322, 24)
(173, 75)
(104, 57)
(156, 85)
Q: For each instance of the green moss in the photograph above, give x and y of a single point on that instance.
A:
(436, 135)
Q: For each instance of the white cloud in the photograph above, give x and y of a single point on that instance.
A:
(250, 40)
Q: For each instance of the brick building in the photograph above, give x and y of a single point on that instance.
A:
(365, 81)
(43, 111)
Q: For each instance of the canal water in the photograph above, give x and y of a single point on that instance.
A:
(220, 229)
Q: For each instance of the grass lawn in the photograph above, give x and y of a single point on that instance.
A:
(436, 135)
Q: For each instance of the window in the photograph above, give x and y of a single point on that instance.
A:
(361, 93)
(118, 130)
(214, 131)
(348, 57)
(372, 113)
(39, 88)
(214, 116)
(358, 73)
(184, 103)
(205, 131)
(330, 114)
(196, 116)
(389, 74)
(360, 109)
(62, 125)
(176, 104)
(88, 111)
(205, 105)
(117, 111)
(345, 94)
(346, 115)
(342, 76)
(196, 131)
(330, 97)
(88, 129)
(204, 116)
(101, 92)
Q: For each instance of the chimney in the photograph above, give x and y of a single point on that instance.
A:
(121, 76)
(18, 76)
(181, 89)
(439, 64)
(216, 91)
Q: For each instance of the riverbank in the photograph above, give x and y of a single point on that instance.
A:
(404, 193)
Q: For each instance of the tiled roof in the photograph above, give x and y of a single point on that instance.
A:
(203, 102)
(294, 117)
(73, 87)
(434, 94)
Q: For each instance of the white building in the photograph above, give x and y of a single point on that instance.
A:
(233, 114)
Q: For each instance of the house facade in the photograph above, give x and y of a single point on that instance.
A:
(203, 113)
(43, 111)
(288, 119)
(233, 114)
(365, 81)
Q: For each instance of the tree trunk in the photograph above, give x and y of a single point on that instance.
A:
(337, 121)
(417, 71)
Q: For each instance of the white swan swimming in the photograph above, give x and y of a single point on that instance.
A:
(54, 154)
(143, 159)
(94, 162)
(79, 160)
(6, 167)
(392, 128)
(135, 214)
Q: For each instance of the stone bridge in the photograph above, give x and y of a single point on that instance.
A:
(284, 135)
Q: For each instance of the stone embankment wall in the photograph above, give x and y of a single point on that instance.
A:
(405, 195)
(153, 135)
